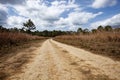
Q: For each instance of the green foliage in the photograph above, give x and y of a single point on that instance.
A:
(86, 31)
(100, 28)
(2, 29)
(29, 25)
(94, 30)
(79, 30)
(47, 33)
(108, 28)
(14, 29)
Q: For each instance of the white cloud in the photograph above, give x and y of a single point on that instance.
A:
(113, 21)
(76, 19)
(43, 15)
(15, 21)
(49, 15)
(3, 7)
(3, 14)
(103, 3)
(81, 17)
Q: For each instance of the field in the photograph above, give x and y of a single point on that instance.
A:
(102, 43)
(11, 41)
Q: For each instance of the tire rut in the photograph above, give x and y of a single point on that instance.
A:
(79, 66)
(103, 65)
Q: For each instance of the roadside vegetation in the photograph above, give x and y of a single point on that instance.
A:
(103, 41)
(17, 45)
(9, 40)
(12, 39)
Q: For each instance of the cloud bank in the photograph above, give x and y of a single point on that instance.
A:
(103, 3)
(113, 21)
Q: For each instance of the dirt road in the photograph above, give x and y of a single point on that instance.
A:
(57, 61)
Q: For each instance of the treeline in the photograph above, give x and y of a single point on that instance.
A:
(54, 33)
(29, 27)
(44, 33)
(99, 29)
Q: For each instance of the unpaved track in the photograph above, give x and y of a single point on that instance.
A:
(57, 61)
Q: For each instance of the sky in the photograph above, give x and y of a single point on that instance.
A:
(60, 14)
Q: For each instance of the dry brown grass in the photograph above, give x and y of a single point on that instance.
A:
(9, 40)
(105, 43)
(11, 46)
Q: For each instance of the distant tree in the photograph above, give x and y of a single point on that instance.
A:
(29, 25)
(22, 29)
(36, 32)
(108, 28)
(79, 30)
(94, 30)
(2, 29)
(15, 29)
(117, 29)
(100, 28)
(45, 33)
(86, 31)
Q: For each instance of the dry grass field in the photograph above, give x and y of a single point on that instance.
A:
(10, 42)
(103, 43)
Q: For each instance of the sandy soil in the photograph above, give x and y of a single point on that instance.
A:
(57, 61)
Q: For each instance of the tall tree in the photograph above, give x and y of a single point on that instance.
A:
(86, 31)
(29, 25)
(79, 30)
(108, 28)
(100, 28)
(94, 30)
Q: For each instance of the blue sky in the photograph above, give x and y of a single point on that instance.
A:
(60, 14)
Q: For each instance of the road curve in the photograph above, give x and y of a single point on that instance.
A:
(57, 61)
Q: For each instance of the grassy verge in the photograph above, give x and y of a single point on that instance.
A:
(16, 57)
(105, 43)
(9, 41)
(15, 51)
(8, 51)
